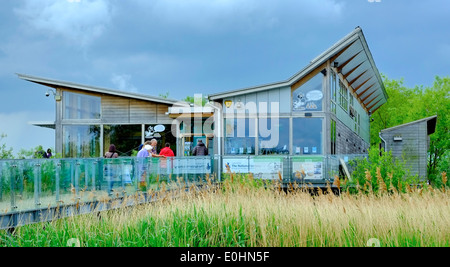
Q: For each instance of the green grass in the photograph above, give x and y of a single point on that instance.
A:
(248, 213)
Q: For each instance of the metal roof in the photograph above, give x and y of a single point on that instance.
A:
(355, 63)
(63, 84)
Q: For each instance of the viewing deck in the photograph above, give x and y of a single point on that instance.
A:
(44, 189)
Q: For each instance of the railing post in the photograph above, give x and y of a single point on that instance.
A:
(37, 184)
(1, 181)
(93, 174)
(57, 179)
(77, 178)
(12, 186)
(86, 172)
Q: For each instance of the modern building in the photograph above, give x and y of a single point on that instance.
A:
(410, 141)
(89, 119)
(324, 109)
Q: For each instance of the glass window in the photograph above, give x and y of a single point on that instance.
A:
(273, 136)
(126, 138)
(240, 136)
(163, 135)
(81, 141)
(79, 106)
(343, 96)
(333, 81)
(308, 97)
(333, 137)
(307, 136)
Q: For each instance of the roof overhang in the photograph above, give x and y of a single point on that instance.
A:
(43, 124)
(354, 62)
(92, 89)
(187, 111)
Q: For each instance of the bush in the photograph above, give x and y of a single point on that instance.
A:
(380, 173)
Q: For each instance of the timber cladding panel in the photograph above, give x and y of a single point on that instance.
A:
(117, 110)
(348, 142)
(142, 111)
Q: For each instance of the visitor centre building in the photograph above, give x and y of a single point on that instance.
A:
(320, 111)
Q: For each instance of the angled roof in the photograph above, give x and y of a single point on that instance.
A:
(355, 63)
(43, 124)
(70, 85)
(431, 125)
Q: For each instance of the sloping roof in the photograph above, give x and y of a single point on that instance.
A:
(355, 63)
(70, 85)
(43, 124)
(431, 125)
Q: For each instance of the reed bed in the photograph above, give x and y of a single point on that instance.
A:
(243, 212)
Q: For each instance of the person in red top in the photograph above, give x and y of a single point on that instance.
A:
(167, 151)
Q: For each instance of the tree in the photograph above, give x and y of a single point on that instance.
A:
(5, 153)
(195, 100)
(165, 96)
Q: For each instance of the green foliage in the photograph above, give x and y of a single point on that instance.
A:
(193, 100)
(380, 172)
(165, 96)
(409, 104)
(5, 153)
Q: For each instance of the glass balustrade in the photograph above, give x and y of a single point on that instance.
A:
(47, 183)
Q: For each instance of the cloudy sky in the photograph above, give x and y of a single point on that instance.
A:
(198, 46)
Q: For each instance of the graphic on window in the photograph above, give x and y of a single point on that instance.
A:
(308, 97)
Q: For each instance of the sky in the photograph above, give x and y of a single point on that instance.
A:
(184, 47)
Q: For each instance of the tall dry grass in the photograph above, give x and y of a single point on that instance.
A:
(249, 212)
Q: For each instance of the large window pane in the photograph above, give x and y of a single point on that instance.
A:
(307, 136)
(162, 136)
(79, 106)
(343, 96)
(240, 136)
(273, 136)
(308, 97)
(81, 141)
(126, 138)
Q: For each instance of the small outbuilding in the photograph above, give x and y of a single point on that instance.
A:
(411, 142)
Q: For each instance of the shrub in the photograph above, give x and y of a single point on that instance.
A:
(380, 172)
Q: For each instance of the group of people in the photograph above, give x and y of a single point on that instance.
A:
(149, 149)
(40, 153)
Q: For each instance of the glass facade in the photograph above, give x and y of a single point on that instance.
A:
(80, 106)
(343, 96)
(163, 137)
(274, 140)
(307, 136)
(333, 89)
(81, 141)
(308, 97)
(333, 137)
(126, 138)
(240, 136)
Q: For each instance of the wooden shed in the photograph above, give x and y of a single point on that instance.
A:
(411, 142)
